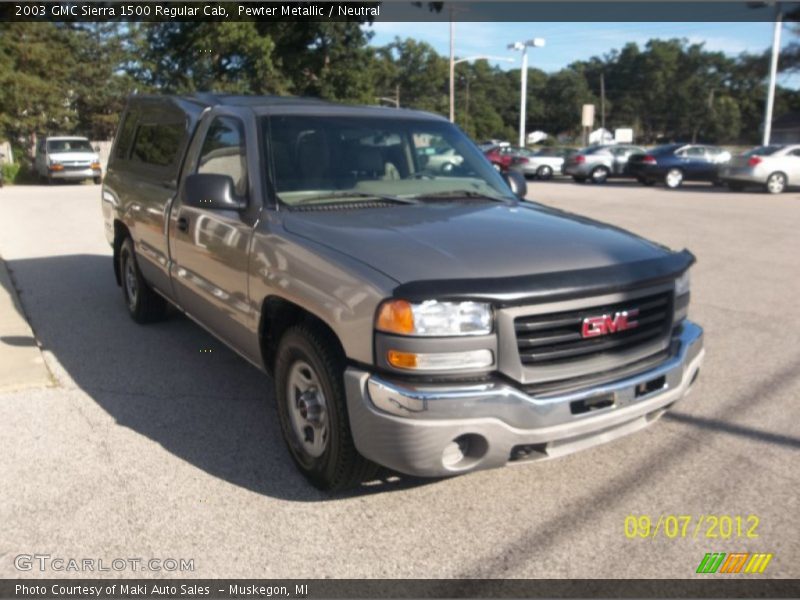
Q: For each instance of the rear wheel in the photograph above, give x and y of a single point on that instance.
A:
(544, 172)
(776, 183)
(600, 174)
(674, 178)
(313, 411)
(144, 304)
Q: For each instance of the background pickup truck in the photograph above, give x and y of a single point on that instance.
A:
(422, 320)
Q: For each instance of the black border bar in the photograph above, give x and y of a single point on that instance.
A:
(708, 586)
(405, 10)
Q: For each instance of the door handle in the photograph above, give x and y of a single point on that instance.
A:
(183, 223)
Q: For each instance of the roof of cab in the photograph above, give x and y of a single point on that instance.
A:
(293, 105)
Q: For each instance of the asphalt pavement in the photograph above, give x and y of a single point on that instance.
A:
(150, 446)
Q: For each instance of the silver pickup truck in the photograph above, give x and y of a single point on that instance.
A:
(425, 321)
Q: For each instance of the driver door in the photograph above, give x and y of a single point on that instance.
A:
(210, 248)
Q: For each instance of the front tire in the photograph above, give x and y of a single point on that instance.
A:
(673, 178)
(97, 180)
(776, 183)
(312, 409)
(144, 304)
(544, 172)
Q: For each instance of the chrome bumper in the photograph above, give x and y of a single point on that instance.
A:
(423, 429)
(87, 173)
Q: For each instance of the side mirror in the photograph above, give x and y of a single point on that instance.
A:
(212, 191)
(517, 182)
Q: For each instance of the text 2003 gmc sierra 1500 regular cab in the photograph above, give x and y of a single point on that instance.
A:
(410, 316)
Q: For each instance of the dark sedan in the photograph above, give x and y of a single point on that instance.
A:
(675, 163)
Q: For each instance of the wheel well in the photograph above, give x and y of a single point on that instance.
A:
(278, 315)
(120, 233)
(785, 176)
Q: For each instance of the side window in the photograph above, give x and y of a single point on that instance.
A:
(125, 135)
(158, 144)
(696, 152)
(795, 152)
(224, 152)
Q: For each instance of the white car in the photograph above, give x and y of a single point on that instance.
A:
(67, 158)
(773, 167)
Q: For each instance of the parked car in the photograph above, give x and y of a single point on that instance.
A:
(543, 163)
(502, 157)
(675, 163)
(598, 163)
(66, 158)
(485, 145)
(773, 167)
(443, 160)
(434, 325)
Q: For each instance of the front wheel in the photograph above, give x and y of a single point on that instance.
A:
(544, 172)
(144, 304)
(776, 183)
(674, 178)
(312, 409)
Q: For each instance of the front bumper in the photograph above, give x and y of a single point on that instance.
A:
(75, 174)
(448, 429)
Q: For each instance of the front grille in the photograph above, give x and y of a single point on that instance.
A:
(556, 338)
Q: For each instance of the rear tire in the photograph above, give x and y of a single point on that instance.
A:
(600, 174)
(312, 409)
(544, 172)
(776, 183)
(673, 179)
(144, 304)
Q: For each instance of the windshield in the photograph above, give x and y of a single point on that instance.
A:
(69, 146)
(335, 159)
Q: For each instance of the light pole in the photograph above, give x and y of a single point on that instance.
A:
(453, 63)
(773, 71)
(534, 43)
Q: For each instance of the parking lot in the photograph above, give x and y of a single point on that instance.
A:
(158, 442)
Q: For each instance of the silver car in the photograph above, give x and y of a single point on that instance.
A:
(772, 167)
(600, 162)
(544, 163)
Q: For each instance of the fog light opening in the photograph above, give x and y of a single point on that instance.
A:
(464, 452)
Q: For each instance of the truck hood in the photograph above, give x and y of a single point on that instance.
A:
(440, 241)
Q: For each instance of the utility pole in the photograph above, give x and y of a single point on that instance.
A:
(773, 72)
(602, 101)
(534, 43)
(452, 66)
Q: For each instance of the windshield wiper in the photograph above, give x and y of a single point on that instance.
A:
(359, 195)
(455, 194)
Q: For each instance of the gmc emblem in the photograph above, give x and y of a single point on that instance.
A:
(606, 324)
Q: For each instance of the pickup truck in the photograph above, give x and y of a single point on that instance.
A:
(428, 322)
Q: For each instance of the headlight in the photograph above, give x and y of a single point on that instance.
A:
(682, 284)
(433, 318)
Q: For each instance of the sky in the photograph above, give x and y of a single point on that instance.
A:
(568, 42)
